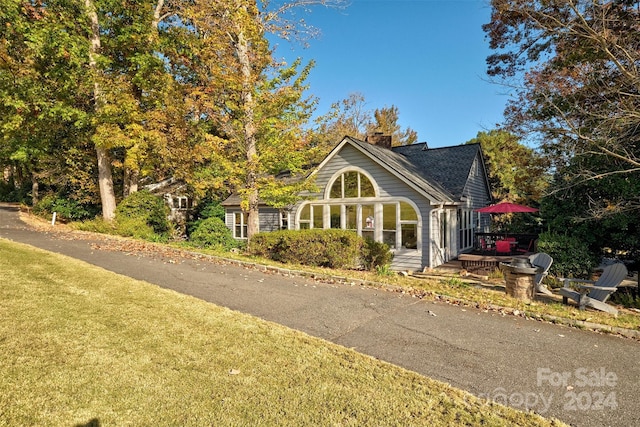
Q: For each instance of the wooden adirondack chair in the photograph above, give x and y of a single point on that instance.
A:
(595, 294)
(543, 261)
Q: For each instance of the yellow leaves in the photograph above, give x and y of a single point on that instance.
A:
(109, 135)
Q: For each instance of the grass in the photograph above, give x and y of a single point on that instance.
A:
(82, 345)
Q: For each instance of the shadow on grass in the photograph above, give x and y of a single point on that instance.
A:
(91, 423)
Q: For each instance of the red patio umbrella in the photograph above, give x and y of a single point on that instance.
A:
(506, 207)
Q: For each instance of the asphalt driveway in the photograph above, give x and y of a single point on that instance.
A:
(583, 378)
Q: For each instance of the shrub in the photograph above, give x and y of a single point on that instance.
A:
(10, 193)
(96, 225)
(571, 256)
(208, 209)
(375, 254)
(137, 228)
(213, 233)
(65, 209)
(626, 298)
(142, 207)
(384, 270)
(321, 248)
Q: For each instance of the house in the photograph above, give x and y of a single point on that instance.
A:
(420, 201)
(175, 194)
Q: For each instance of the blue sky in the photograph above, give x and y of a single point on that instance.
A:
(426, 57)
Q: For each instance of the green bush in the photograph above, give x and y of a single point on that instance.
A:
(321, 248)
(10, 193)
(137, 228)
(375, 254)
(96, 225)
(65, 209)
(207, 209)
(142, 207)
(626, 298)
(213, 233)
(571, 256)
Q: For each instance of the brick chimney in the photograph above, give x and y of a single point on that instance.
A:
(379, 139)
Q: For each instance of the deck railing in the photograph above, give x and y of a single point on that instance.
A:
(524, 242)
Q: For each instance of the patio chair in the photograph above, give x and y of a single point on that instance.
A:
(594, 294)
(503, 247)
(529, 248)
(544, 262)
(486, 246)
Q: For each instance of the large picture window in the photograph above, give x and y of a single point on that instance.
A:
(394, 222)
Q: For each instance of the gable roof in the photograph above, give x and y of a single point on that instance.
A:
(440, 174)
(448, 166)
(405, 169)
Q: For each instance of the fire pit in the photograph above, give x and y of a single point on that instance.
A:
(519, 275)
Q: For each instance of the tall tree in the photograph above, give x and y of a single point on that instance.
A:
(133, 85)
(346, 117)
(580, 88)
(386, 122)
(516, 172)
(43, 92)
(105, 176)
(351, 117)
(255, 107)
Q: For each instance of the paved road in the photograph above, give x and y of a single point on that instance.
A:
(580, 377)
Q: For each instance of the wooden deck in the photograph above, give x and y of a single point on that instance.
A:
(471, 262)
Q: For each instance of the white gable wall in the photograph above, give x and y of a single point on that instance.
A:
(389, 188)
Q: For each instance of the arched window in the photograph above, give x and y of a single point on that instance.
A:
(351, 203)
(351, 184)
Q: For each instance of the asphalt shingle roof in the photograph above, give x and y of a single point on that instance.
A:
(440, 172)
(445, 170)
(448, 166)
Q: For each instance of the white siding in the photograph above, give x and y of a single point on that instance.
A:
(388, 188)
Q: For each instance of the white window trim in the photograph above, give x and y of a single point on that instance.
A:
(242, 224)
(338, 175)
(377, 208)
(284, 214)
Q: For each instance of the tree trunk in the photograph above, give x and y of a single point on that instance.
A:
(249, 129)
(130, 181)
(105, 177)
(105, 182)
(35, 197)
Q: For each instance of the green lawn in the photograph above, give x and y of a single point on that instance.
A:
(81, 344)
